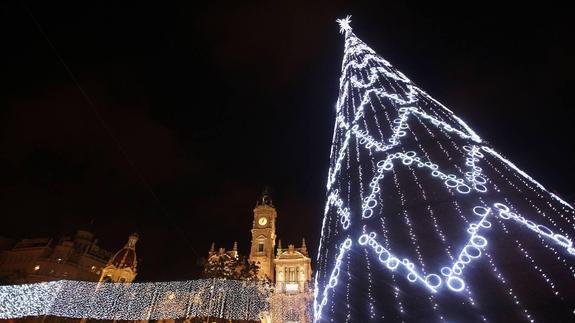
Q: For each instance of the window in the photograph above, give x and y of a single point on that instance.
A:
(291, 274)
(291, 285)
(261, 246)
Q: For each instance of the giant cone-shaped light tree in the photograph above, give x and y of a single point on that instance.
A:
(425, 221)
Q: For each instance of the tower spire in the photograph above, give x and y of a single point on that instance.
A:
(303, 248)
(279, 251)
(132, 239)
(265, 198)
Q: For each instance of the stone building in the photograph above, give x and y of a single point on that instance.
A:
(292, 269)
(43, 259)
(122, 267)
(264, 236)
(78, 258)
(288, 269)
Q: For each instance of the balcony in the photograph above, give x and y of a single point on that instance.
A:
(291, 287)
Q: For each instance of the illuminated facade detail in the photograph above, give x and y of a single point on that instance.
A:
(292, 269)
(421, 213)
(293, 295)
(122, 267)
(215, 256)
(45, 259)
(264, 236)
(288, 269)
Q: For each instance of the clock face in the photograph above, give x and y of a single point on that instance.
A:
(263, 221)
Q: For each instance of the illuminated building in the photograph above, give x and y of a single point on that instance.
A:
(264, 236)
(289, 269)
(40, 259)
(293, 295)
(122, 267)
(292, 269)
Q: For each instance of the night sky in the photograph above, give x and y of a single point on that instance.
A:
(168, 120)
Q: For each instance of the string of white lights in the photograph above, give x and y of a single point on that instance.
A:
(531, 179)
(217, 298)
(318, 306)
(470, 251)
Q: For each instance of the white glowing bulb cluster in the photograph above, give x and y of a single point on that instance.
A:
(344, 24)
(563, 241)
(474, 175)
(291, 307)
(377, 113)
(216, 298)
(344, 213)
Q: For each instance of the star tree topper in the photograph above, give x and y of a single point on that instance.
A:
(344, 24)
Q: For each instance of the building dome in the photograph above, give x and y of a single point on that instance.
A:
(126, 257)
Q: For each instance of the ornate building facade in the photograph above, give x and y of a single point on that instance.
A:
(264, 237)
(289, 269)
(77, 258)
(292, 269)
(122, 267)
(43, 259)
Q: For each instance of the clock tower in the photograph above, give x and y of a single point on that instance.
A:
(264, 236)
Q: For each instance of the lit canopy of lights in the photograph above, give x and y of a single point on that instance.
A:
(214, 298)
(425, 220)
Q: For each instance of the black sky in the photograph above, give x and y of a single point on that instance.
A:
(195, 107)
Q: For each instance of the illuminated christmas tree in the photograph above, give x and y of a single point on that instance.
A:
(425, 221)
